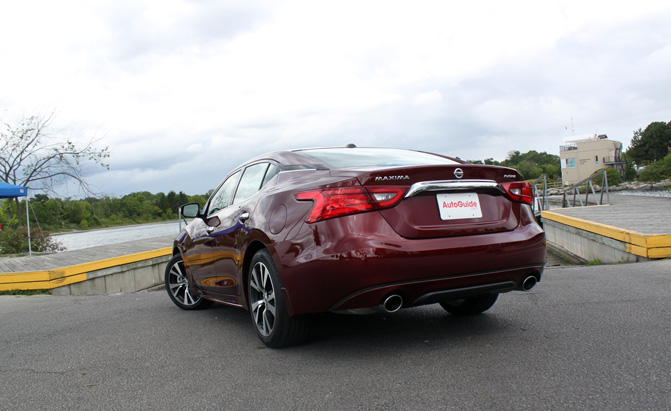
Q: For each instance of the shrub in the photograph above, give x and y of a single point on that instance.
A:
(16, 241)
(657, 171)
(613, 175)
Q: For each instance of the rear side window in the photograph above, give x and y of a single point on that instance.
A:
(272, 172)
(251, 181)
(373, 157)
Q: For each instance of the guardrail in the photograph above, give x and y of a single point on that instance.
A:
(540, 201)
(589, 187)
(540, 193)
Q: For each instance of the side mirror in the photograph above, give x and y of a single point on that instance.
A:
(191, 210)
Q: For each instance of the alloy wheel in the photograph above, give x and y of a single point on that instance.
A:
(263, 302)
(179, 286)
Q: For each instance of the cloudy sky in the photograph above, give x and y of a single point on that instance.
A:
(183, 91)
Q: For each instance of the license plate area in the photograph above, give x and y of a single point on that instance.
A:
(457, 206)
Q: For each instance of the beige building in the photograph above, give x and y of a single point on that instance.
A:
(582, 157)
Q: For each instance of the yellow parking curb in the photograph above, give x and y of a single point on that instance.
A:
(45, 280)
(644, 245)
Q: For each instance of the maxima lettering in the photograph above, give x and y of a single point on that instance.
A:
(391, 178)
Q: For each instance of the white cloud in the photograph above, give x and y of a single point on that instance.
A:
(178, 87)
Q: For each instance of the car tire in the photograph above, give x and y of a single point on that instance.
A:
(268, 308)
(177, 286)
(470, 305)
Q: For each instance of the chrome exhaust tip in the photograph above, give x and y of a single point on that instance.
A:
(393, 303)
(529, 283)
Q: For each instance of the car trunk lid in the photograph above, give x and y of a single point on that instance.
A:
(448, 200)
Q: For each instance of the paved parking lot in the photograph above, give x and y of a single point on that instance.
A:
(584, 338)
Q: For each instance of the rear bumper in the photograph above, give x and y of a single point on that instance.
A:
(431, 291)
(360, 270)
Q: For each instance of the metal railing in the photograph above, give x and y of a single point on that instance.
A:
(540, 193)
(540, 200)
(613, 160)
(589, 187)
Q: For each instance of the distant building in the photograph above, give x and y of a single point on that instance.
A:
(582, 157)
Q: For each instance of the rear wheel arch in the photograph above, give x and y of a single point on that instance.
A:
(177, 286)
(267, 305)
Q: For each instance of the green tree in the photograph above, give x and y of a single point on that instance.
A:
(532, 164)
(651, 144)
(657, 171)
(44, 210)
(76, 211)
(161, 202)
(173, 201)
(629, 170)
(132, 205)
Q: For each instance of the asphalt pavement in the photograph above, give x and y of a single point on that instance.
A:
(592, 337)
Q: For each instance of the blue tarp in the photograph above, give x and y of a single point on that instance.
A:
(11, 191)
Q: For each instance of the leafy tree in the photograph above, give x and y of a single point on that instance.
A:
(162, 202)
(173, 201)
(531, 164)
(32, 157)
(657, 171)
(651, 144)
(629, 169)
(135, 208)
(613, 175)
(183, 199)
(4, 218)
(76, 211)
(45, 210)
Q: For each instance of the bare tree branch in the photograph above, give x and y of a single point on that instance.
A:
(31, 157)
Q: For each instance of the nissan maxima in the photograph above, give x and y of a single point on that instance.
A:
(291, 234)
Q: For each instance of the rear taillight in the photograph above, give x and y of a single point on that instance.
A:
(519, 191)
(386, 197)
(336, 202)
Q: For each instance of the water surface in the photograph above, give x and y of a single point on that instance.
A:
(105, 236)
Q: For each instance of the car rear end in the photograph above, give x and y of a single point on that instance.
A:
(420, 233)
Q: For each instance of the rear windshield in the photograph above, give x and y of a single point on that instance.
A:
(373, 157)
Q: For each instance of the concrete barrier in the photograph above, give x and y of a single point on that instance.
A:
(595, 241)
(127, 273)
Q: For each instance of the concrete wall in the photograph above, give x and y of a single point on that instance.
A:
(587, 245)
(124, 278)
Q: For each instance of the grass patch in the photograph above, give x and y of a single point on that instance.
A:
(594, 262)
(24, 292)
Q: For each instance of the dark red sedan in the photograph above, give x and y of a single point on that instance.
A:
(293, 233)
